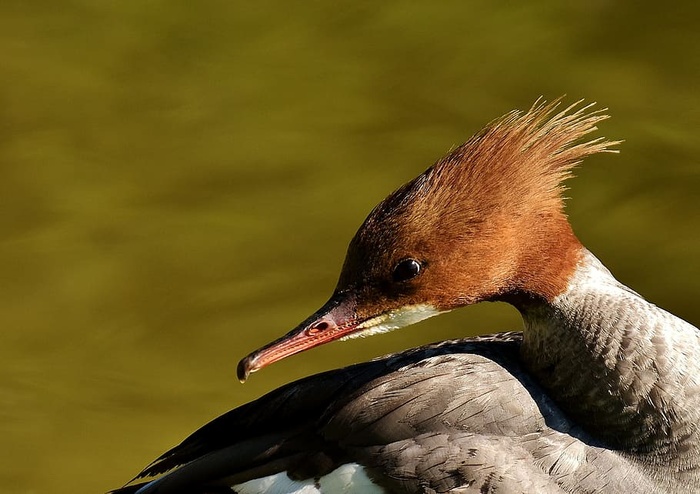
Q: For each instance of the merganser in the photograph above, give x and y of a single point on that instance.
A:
(599, 393)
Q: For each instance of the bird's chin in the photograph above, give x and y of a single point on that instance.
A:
(394, 319)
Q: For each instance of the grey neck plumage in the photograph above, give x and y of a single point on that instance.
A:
(626, 370)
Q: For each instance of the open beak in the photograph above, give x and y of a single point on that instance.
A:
(335, 320)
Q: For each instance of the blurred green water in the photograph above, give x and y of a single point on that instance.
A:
(180, 179)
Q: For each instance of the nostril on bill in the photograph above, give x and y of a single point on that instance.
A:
(317, 328)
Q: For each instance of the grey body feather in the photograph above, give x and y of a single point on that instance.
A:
(600, 397)
(458, 416)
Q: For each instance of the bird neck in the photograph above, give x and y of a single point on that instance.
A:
(626, 370)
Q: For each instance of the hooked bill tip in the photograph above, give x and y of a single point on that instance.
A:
(243, 370)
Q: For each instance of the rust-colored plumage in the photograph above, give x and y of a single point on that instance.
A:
(519, 161)
(485, 216)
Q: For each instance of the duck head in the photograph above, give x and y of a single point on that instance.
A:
(486, 222)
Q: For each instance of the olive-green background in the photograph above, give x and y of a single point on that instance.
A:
(179, 181)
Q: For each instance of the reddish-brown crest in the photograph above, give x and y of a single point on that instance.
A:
(487, 219)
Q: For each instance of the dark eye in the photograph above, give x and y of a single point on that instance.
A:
(406, 269)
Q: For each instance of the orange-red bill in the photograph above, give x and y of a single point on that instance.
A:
(334, 320)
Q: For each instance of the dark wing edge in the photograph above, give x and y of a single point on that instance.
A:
(302, 403)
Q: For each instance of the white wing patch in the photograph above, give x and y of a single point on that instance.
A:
(346, 479)
(276, 484)
(350, 478)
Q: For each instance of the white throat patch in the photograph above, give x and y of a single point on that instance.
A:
(395, 319)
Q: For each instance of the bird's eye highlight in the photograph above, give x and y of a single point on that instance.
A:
(406, 269)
